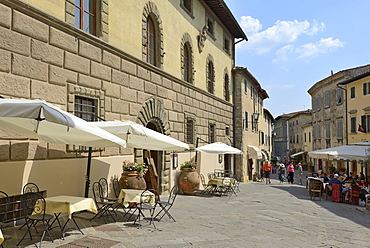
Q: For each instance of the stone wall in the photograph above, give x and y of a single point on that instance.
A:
(43, 57)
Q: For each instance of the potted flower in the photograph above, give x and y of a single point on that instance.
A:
(189, 179)
(132, 175)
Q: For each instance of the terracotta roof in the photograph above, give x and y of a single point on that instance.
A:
(223, 12)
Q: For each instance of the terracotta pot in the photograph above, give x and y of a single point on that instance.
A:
(189, 181)
(132, 180)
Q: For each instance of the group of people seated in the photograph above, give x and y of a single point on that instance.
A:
(350, 183)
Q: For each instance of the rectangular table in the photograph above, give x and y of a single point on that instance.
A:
(68, 204)
(133, 196)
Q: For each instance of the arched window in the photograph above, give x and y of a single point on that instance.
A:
(151, 42)
(227, 88)
(210, 77)
(187, 63)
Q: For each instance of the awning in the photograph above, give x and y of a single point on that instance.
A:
(219, 148)
(356, 151)
(254, 152)
(296, 154)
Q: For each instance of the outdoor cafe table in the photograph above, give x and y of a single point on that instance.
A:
(68, 204)
(133, 196)
(222, 181)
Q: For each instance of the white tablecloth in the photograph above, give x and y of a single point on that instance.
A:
(133, 196)
(69, 204)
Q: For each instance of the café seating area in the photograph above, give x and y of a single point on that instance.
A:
(220, 183)
(36, 218)
(336, 192)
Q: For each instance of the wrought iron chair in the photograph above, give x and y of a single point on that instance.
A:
(207, 188)
(105, 190)
(4, 207)
(105, 207)
(30, 187)
(145, 205)
(34, 207)
(167, 205)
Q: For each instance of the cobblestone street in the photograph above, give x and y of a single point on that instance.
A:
(260, 216)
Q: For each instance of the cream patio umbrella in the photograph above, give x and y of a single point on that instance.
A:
(219, 148)
(37, 119)
(138, 136)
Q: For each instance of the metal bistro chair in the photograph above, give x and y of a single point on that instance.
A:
(116, 189)
(30, 187)
(34, 207)
(145, 205)
(105, 207)
(4, 206)
(105, 190)
(207, 188)
(167, 205)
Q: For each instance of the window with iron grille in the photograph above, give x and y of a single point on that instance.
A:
(189, 131)
(86, 109)
(85, 15)
(212, 133)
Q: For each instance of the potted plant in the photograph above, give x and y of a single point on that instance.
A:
(189, 179)
(132, 176)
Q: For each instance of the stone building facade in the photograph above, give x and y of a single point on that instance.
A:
(252, 124)
(180, 87)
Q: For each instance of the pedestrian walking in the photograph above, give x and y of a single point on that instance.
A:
(300, 173)
(282, 173)
(291, 173)
(267, 169)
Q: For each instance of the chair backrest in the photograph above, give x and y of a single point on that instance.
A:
(97, 192)
(316, 185)
(116, 188)
(173, 194)
(104, 186)
(203, 181)
(30, 187)
(144, 199)
(211, 175)
(336, 189)
(4, 205)
(33, 203)
(355, 191)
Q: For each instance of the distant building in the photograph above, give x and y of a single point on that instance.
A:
(329, 113)
(252, 124)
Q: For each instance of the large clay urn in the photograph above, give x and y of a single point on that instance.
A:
(189, 181)
(132, 180)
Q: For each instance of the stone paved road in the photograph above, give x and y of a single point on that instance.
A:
(260, 216)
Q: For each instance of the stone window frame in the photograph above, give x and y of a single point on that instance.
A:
(210, 23)
(245, 82)
(187, 6)
(227, 88)
(210, 81)
(186, 41)
(227, 44)
(101, 25)
(192, 117)
(150, 9)
(98, 95)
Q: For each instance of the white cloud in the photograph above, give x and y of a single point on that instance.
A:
(282, 53)
(281, 33)
(312, 50)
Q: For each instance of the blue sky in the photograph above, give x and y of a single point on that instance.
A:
(294, 44)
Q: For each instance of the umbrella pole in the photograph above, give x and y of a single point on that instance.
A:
(87, 185)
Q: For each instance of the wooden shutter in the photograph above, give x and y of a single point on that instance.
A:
(363, 122)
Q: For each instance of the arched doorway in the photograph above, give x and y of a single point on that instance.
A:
(153, 177)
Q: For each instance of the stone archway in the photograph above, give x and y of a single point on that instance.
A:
(153, 116)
